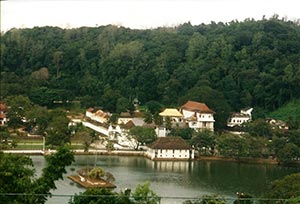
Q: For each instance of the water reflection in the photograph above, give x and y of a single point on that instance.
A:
(176, 178)
(170, 166)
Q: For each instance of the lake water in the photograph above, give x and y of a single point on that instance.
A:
(173, 178)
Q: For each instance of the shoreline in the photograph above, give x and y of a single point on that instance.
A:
(142, 153)
(238, 160)
(79, 152)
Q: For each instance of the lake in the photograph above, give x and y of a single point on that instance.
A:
(180, 179)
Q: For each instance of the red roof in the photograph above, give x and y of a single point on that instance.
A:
(2, 115)
(3, 107)
(196, 107)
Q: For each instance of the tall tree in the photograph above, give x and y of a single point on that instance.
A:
(143, 134)
(285, 188)
(18, 183)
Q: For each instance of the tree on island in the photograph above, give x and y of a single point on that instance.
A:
(142, 195)
(18, 184)
(96, 173)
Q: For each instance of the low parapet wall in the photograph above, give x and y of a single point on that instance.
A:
(96, 128)
(79, 152)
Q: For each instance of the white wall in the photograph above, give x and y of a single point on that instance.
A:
(88, 114)
(170, 154)
(207, 117)
(203, 121)
(161, 131)
(94, 117)
(96, 128)
(237, 121)
(3, 121)
(187, 114)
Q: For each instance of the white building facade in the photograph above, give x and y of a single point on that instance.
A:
(198, 115)
(237, 119)
(170, 148)
(97, 115)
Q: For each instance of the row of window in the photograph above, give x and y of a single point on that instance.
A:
(160, 151)
(173, 156)
(239, 121)
(203, 116)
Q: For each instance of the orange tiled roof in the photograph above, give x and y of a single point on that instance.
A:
(3, 107)
(2, 115)
(102, 114)
(196, 107)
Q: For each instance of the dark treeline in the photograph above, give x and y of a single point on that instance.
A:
(227, 66)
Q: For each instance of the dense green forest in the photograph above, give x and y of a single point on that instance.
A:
(228, 66)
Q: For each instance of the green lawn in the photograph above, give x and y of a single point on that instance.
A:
(29, 146)
(39, 145)
(29, 140)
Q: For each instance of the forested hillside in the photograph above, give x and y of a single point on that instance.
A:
(227, 66)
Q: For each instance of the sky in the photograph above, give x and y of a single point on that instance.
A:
(138, 14)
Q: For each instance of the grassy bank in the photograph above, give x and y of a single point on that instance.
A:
(36, 143)
(240, 160)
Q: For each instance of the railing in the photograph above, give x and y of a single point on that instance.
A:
(65, 199)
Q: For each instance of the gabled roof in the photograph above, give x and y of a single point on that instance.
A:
(131, 115)
(171, 112)
(169, 143)
(125, 115)
(196, 107)
(240, 115)
(138, 121)
(129, 125)
(102, 114)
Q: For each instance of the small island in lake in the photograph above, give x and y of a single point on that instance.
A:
(93, 178)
